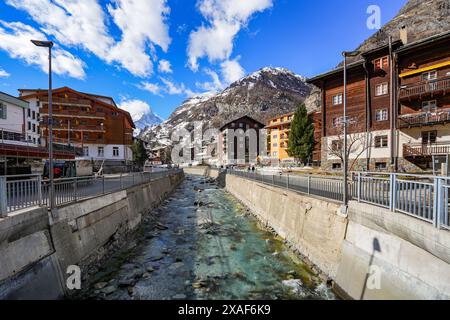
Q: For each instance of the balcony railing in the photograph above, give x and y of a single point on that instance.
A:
(422, 150)
(424, 118)
(422, 88)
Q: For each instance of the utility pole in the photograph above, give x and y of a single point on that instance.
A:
(49, 45)
(346, 121)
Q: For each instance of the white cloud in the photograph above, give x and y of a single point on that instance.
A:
(154, 88)
(15, 39)
(82, 23)
(211, 86)
(165, 66)
(71, 22)
(225, 18)
(172, 88)
(232, 71)
(143, 24)
(3, 73)
(136, 108)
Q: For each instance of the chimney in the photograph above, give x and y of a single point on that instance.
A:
(404, 34)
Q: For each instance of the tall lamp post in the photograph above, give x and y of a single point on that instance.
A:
(49, 45)
(346, 121)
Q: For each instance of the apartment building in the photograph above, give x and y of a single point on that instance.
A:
(396, 107)
(241, 142)
(19, 153)
(278, 130)
(88, 122)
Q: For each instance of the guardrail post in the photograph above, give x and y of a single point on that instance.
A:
(3, 198)
(287, 181)
(359, 186)
(438, 204)
(309, 184)
(39, 190)
(121, 182)
(103, 184)
(76, 189)
(392, 191)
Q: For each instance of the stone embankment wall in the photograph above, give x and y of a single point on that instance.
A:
(34, 255)
(370, 254)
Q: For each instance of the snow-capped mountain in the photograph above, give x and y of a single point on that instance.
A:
(148, 120)
(261, 95)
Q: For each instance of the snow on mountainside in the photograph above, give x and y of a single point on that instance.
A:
(148, 120)
(261, 95)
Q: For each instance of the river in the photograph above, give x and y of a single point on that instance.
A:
(202, 244)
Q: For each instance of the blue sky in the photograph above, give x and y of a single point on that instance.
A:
(157, 53)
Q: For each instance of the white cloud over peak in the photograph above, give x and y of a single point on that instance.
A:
(232, 71)
(136, 108)
(83, 24)
(224, 18)
(164, 66)
(143, 24)
(3, 73)
(153, 88)
(15, 39)
(168, 87)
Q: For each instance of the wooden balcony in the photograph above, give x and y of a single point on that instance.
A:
(439, 86)
(426, 150)
(424, 119)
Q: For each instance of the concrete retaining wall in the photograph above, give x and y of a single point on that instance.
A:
(313, 226)
(398, 256)
(35, 255)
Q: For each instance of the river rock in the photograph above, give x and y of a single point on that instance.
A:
(108, 290)
(100, 285)
(179, 296)
(295, 285)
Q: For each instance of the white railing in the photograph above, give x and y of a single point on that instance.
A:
(420, 196)
(24, 191)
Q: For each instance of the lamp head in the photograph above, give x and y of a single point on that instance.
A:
(42, 43)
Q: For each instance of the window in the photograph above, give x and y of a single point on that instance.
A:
(380, 165)
(2, 111)
(275, 137)
(381, 89)
(381, 115)
(275, 145)
(336, 166)
(337, 122)
(241, 125)
(429, 106)
(381, 141)
(430, 75)
(34, 127)
(38, 103)
(34, 140)
(429, 137)
(337, 99)
(86, 151)
(29, 113)
(34, 115)
(29, 125)
(100, 151)
(115, 151)
(275, 154)
(336, 145)
(381, 63)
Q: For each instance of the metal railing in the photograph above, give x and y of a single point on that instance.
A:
(439, 116)
(425, 88)
(24, 191)
(420, 196)
(419, 149)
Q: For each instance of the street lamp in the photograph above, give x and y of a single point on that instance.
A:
(345, 121)
(49, 45)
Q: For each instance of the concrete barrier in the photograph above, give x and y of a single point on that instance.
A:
(35, 255)
(312, 225)
(371, 254)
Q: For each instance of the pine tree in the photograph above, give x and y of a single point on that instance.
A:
(139, 152)
(301, 137)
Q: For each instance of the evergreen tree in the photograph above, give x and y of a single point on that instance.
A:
(301, 137)
(139, 152)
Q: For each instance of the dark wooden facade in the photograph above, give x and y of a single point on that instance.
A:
(81, 118)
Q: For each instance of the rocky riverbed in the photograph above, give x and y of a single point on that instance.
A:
(202, 244)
